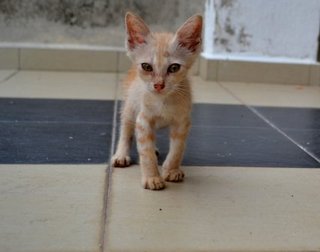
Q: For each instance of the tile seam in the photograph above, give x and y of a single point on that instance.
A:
(271, 124)
(9, 77)
(53, 122)
(117, 64)
(309, 75)
(217, 71)
(283, 133)
(19, 59)
(226, 127)
(108, 173)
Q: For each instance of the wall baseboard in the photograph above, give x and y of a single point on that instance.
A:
(236, 70)
(115, 60)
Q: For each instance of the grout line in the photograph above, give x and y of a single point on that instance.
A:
(108, 175)
(51, 122)
(117, 65)
(19, 58)
(271, 124)
(309, 75)
(217, 70)
(114, 122)
(255, 111)
(61, 46)
(9, 76)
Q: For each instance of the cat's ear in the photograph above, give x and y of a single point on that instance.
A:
(189, 34)
(137, 31)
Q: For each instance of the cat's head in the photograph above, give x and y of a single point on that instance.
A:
(163, 59)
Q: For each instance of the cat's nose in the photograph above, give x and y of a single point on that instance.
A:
(159, 86)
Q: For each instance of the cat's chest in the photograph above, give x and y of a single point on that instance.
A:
(163, 113)
(161, 109)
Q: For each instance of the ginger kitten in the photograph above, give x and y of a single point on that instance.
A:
(157, 94)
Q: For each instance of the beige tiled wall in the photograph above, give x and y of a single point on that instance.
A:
(124, 62)
(260, 72)
(73, 60)
(208, 69)
(9, 58)
(315, 75)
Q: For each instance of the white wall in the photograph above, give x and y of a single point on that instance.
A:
(266, 29)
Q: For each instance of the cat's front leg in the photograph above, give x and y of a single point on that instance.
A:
(171, 166)
(145, 136)
(121, 157)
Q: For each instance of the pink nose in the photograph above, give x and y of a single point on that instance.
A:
(159, 86)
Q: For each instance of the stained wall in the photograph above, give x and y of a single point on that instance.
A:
(88, 22)
(260, 28)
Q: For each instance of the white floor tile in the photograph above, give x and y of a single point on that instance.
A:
(51, 207)
(60, 85)
(5, 74)
(216, 209)
(276, 95)
(210, 92)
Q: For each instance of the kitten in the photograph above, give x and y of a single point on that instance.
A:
(158, 94)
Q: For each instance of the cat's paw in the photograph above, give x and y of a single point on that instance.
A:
(120, 161)
(173, 175)
(153, 183)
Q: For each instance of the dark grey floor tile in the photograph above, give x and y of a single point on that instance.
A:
(55, 131)
(292, 118)
(54, 143)
(250, 147)
(300, 124)
(232, 135)
(309, 139)
(225, 115)
(59, 110)
(77, 131)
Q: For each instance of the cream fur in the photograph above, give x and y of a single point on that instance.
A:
(146, 109)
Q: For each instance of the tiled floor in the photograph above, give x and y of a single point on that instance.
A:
(252, 169)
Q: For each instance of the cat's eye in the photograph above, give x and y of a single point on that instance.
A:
(146, 67)
(173, 68)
